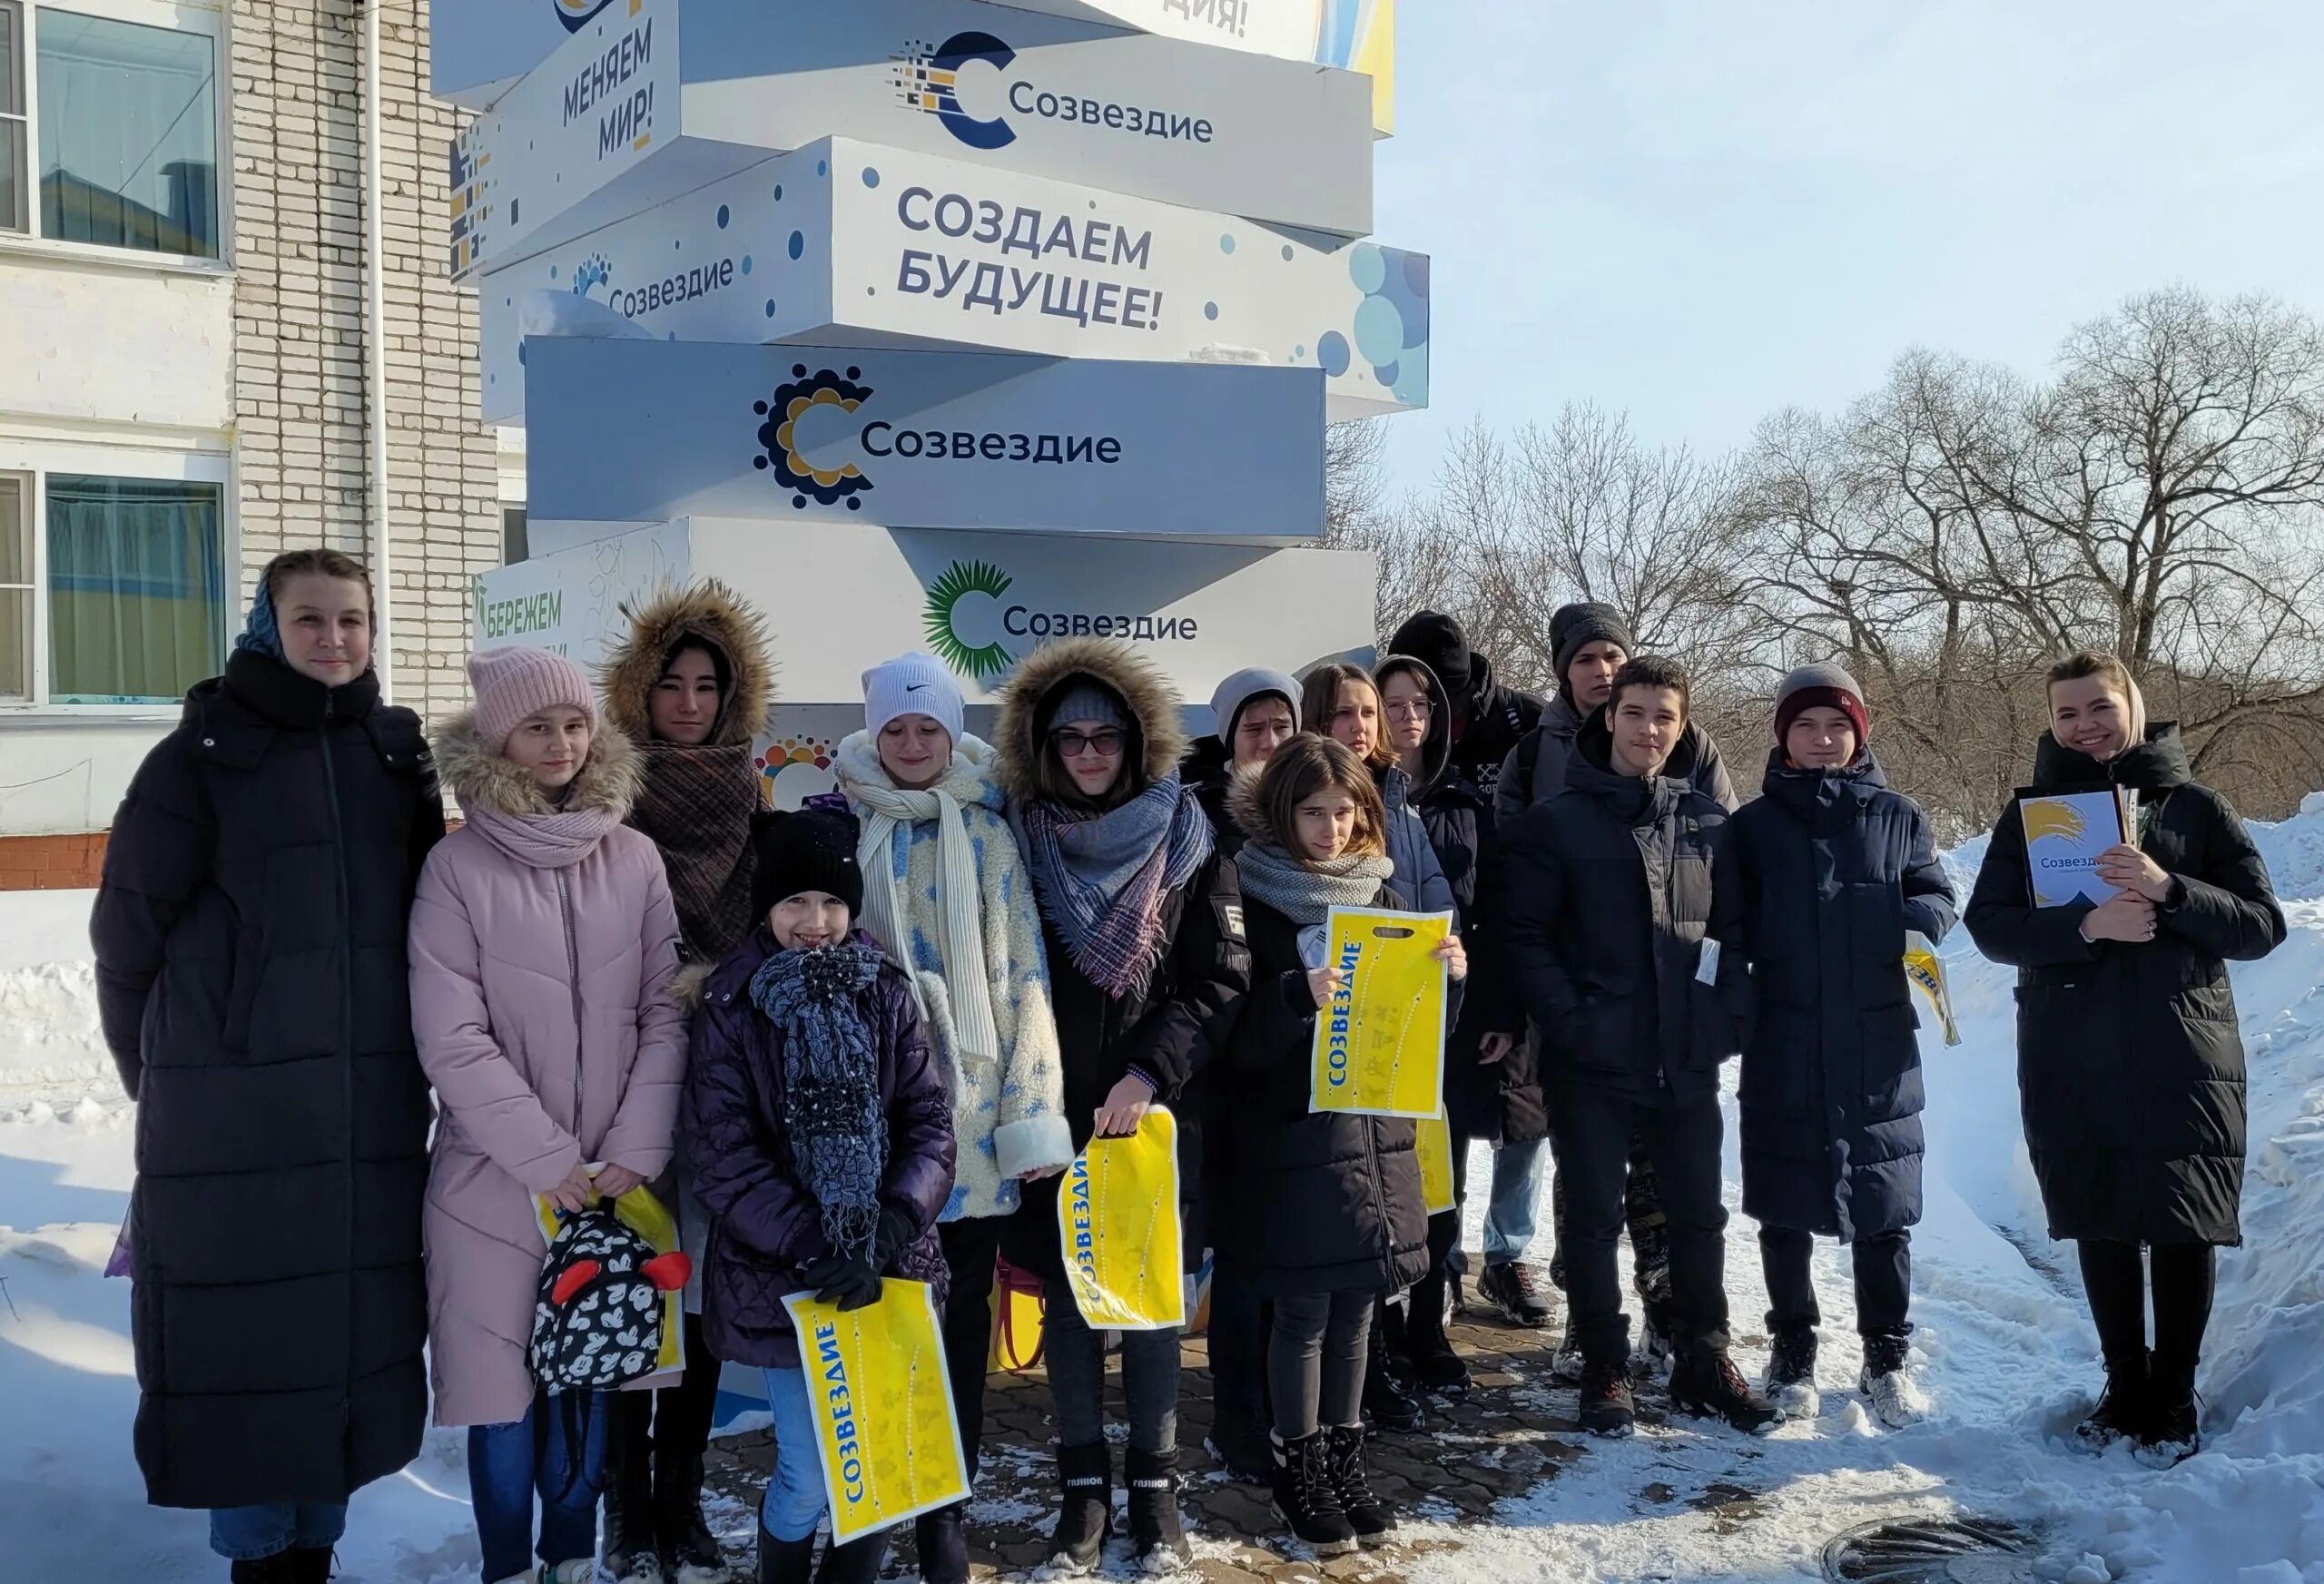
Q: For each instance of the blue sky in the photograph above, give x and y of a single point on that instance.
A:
(1702, 212)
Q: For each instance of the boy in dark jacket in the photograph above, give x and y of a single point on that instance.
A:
(1612, 938)
(1833, 869)
(822, 1138)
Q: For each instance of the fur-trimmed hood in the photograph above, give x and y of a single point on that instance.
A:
(1243, 805)
(969, 778)
(1152, 702)
(609, 779)
(713, 612)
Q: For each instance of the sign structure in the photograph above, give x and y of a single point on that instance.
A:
(654, 99)
(572, 603)
(479, 48)
(842, 597)
(923, 439)
(844, 243)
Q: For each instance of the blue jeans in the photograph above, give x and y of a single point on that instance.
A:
(248, 1534)
(793, 1503)
(508, 1462)
(1516, 1193)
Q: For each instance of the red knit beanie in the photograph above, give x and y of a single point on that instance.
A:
(1827, 687)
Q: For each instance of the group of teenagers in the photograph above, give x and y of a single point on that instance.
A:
(864, 1039)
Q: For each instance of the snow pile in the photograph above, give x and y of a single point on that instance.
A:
(2005, 1345)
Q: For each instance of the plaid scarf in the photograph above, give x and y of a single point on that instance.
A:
(1101, 878)
(696, 805)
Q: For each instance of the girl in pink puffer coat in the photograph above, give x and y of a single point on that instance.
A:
(543, 944)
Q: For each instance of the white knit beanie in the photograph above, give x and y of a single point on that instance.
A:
(911, 684)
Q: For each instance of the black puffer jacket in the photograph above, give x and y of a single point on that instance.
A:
(1328, 1203)
(1167, 1030)
(1833, 869)
(254, 992)
(1609, 899)
(1493, 716)
(2130, 1066)
(1534, 771)
(1208, 770)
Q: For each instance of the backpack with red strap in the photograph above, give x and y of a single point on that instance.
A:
(597, 1324)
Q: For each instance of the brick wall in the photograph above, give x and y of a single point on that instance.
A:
(51, 863)
(303, 461)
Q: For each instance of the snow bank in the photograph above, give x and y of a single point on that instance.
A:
(48, 995)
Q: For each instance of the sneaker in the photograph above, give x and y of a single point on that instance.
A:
(1608, 1408)
(1707, 1384)
(1352, 1481)
(1790, 1380)
(1657, 1343)
(1566, 1364)
(1085, 1507)
(1307, 1501)
(1513, 1288)
(1897, 1400)
(2122, 1410)
(1157, 1539)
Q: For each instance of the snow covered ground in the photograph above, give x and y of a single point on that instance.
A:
(2004, 1347)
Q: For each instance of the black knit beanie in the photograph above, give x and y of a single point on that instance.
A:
(1575, 626)
(1436, 640)
(812, 849)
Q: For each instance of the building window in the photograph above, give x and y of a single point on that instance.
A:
(513, 542)
(136, 582)
(16, 134)
(16, 589)
(120, 126)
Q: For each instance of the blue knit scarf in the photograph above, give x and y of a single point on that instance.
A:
(831, 1082)
(259, 629)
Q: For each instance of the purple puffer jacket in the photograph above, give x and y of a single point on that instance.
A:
(767, 1224)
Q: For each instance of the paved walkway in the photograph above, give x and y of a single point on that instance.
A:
(1515, 1431)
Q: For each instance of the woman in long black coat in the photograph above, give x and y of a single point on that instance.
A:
(2129, 1062)
(1142, 924)
(253, 990)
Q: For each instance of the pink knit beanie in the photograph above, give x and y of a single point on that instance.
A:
(512, 684)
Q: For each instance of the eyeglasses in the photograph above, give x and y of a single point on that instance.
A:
(1418, 709)
(1106, 744)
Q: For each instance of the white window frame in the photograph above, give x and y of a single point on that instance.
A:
(36, 460)
(25, 525)
(201, 17)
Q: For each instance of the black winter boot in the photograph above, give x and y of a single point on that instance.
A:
(856, 1562)
(1707, 1383)
(274, 1570)
(1790, 1380)
(309, 1564)
(1388, 1403)
(632, 1550)
(1085, 1477)
(942, 1537)
(2125, 1408)
(2173, 1428)
(785, 1561)
(1157, 1538)
(1352, 1483)
(1435, 1365)
(1307, 1501)
(690, 1553)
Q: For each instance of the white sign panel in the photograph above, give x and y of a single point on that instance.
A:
(923, 439)
(846, 243)
(842, 597)
(571, 603)
(480, 47)
(611, 125)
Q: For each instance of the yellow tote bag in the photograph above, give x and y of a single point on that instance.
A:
(1435, 1138)
(1926, 970)
(1380, 1045)
(648, 1218)
(885, 1427)
(1117, 1217)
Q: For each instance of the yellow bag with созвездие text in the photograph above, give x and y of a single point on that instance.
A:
(1379, 1048)
(1118, 1229)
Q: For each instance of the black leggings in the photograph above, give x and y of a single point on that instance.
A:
(1316, 1361)
(2184, 1279)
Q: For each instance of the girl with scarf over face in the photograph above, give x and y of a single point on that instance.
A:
(689, 685)
(1330, 1214)
(2129, 1064)
(250, 946)
(823, 1141)
(946, 896)
(543, 945)
(1142, 922)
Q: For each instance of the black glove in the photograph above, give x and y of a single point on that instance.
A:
(849, 1281)
(897, 1232)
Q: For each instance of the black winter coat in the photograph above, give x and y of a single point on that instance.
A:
(1493, 716)
(254, 992)
(2130, 1066)
(1324, 1203)
(1610, 899)
(1208, 769)
(1168, 1033)
(1832, 868)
